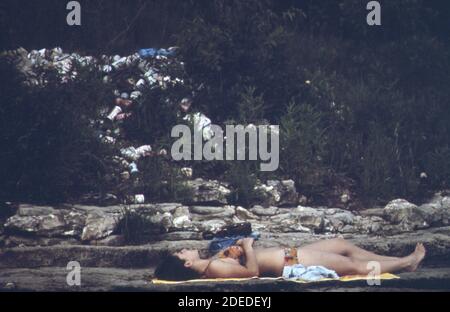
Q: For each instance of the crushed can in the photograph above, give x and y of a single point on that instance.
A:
(187, 172)
(116, 111)
(108, 139)
(130, 153)
(139, 199)
(135, 95)
(123, 116)
(120, 63)
(133, 168)
(162, 152)
(144, 150)
(107, 69)
(140, 84)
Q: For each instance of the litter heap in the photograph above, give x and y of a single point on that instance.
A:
(131, 78)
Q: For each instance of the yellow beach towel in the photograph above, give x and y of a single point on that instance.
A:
(350, 278)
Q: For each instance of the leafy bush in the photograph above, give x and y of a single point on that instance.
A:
(242, 178)
(368, 104)
(135, 226)
(162, 181)
(48, 149)
(354, 102)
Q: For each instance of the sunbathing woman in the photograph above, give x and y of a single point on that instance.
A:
(243, 261)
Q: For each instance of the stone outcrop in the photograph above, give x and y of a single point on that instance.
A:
(117, 279)
(278, 193)
(131, 267)
(209, 191)
(39, 241)
(436, 240)
(90, 224)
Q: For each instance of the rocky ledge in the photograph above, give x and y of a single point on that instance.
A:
(130, 268)
(437, 241)
(114, 279)
(37, 242)
(77, 224)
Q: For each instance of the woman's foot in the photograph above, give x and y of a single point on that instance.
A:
(416, 257)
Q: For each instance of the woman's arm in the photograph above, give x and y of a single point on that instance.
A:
(250, 257)
(222, 269)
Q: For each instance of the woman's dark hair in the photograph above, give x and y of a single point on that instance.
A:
(172, 268)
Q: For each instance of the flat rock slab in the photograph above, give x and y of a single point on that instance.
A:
(55, 279)
(437, 242)
(114, 279)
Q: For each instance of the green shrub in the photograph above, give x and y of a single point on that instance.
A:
(161, 180)
(135, 226)
(369, 104)
(48, 149)
(242, 178)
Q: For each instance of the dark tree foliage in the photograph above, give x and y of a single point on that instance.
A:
(49, 152)
(355, 103)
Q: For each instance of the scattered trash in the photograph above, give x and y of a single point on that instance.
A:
(119, 63)
(187, 172)
(116, 111)
(123, 116)
(107, 79)
(107, 69)
(130, 153)
(144, 150)
(201, 124)
(140, 84)
(151, 52)
(139, 199)
(133, 168)
(134, 154)
(162, 152)
(125, 164)
(185, 104)
(345, 198)
(132, 76)
(123, 102)
(108, 139)
(135, 95)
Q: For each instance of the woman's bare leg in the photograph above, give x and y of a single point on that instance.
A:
(347, 266)
(345, 248)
